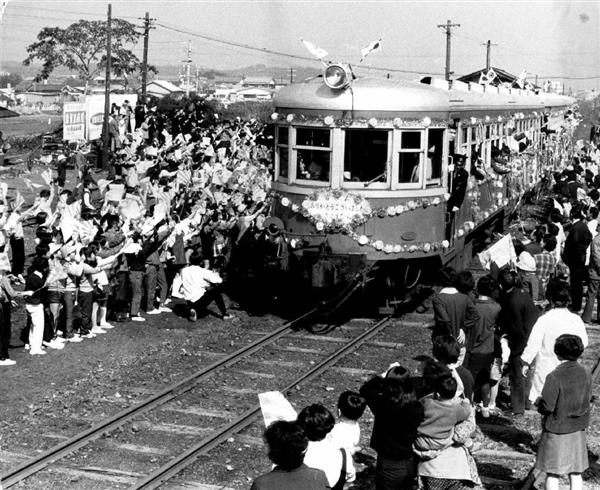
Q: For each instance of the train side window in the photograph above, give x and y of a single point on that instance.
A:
(434, 158)
(312, 153)
(365, 155)
(409, 158)
(282, 152)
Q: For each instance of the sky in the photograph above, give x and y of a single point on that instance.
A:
(553, 39)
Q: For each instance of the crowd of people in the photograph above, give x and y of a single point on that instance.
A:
(179, 191)
(523, 322)
(182, 189)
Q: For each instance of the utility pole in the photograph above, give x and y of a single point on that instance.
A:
(105, 134)
(488, 53)
(448, 28)
(147, 27)
(188, 63)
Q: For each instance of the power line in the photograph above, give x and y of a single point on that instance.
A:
(278, 53)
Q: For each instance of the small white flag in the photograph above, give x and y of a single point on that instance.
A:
(317, 52)
(521, 80)
(374, 46)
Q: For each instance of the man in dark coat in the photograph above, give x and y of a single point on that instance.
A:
(516, 320)
(574, 254)
(460, 178)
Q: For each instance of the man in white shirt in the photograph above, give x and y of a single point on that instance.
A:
(199, 286)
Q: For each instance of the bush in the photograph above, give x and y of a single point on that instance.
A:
(246, 110)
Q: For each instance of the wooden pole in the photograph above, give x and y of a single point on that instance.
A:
(145, 58)
(105, 134)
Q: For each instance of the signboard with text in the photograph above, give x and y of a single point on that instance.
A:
(74, 121)
(83, 120)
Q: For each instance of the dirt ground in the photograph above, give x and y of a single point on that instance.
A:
(47, 398)
(33, 124)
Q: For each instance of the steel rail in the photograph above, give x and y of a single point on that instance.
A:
(59, 451)
(166, 472)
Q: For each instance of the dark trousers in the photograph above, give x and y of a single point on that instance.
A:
(592, 294)
(151, 281)
(4, 329)
(212, 294)
(136, 279)
(17, 246)
(395, 474)
(69, 304)
(519, 384)
(578, 277)
(121, 293)
(85, 300)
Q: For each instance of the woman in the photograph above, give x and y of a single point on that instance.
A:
(565, 407)
(540, 345)
(453, 308)
(397, 414)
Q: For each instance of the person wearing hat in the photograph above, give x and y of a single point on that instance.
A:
(526, 267)
(460, 178)
(540, 345)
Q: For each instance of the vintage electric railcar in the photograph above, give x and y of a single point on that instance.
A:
(364, 169)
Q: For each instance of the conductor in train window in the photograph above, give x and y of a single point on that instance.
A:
(460, 178)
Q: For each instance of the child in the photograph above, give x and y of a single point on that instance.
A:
(346, 432)
(443, 411)
(565, 407)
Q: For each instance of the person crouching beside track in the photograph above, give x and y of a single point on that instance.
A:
(199, 287)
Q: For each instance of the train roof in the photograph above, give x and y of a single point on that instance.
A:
(429, 96)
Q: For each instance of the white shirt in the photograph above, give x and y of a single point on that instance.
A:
(193, 281)
(345, 434)
(323, 455)
(542, 338)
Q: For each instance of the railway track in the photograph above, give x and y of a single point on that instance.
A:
(188, 392)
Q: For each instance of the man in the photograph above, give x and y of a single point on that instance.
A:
(199, 286)
(574, 255)
(460, 178)
(545, 265)
(516, 320)
(593, 282)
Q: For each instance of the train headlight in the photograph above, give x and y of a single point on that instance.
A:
(337, 76)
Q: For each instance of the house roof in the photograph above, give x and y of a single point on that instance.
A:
(258, 80)
(502, 76)
(165, 85)
(7, 113)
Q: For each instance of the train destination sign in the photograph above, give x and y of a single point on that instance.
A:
(336, 209)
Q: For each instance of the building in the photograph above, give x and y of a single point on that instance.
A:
(46, 93)
(502, 77)
(161, 88)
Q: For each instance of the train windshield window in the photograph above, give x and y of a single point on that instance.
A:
(365, 155)
(435, 155)
(312, 152)
(282, 151)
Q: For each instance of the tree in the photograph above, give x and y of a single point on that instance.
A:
(81, 47)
